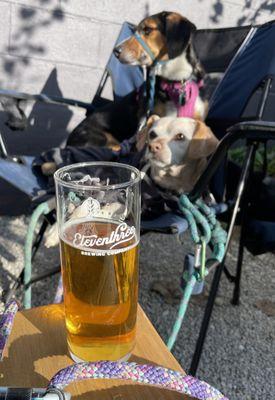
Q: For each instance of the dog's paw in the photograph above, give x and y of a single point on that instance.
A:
(51, 236)
(48, 168)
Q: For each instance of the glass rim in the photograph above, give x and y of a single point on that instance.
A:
(121, 185)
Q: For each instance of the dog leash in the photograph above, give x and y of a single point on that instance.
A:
(144, 374)
(152, 74)
(204, 229)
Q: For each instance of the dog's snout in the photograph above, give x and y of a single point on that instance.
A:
(154, 147)
(117, 51)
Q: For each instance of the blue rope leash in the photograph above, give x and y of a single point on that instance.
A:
(42, 209)
(182, 310)
(200, 218)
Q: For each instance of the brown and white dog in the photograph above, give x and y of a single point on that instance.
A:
(163, 43)
(177, 151)
(179, 81)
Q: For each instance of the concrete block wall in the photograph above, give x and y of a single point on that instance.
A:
(61, 46)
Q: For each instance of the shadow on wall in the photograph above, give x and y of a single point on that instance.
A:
(250, 13)
(23, 40)
(47, 124)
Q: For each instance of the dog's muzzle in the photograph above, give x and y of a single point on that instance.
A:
(147, 54)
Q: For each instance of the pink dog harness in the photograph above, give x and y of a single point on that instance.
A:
(184, 95)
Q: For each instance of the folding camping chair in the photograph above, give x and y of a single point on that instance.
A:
(241, 46)
(243, 105)
(17, 171)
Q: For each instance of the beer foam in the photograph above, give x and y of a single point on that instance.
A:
(92, 243)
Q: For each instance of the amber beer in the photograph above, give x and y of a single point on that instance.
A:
(100, 278)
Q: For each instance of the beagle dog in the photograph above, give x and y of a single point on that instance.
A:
(177, 151)
(175, 154)
(163, 44)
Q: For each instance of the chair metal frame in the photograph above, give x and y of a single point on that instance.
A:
(255, 132)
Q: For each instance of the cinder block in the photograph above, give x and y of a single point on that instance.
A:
(230, 14)
(60, 79)
(195, 10)
(4, 26)
(108, 36)
(47, 5)
(48, 125)
(223, 15)
(67, 39)
(107, 10)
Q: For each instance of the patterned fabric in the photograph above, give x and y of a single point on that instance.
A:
(6, 323)
(146, 374)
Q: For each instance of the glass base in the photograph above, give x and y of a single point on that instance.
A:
(79, 360)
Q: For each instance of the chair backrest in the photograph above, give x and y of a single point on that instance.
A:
(217, 47)
(125, 78)
(240, 92)
(243, 94)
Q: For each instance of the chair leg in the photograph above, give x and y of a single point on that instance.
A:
(237, 286)
(206, 320)
(44, 275)
(231, 278)
(15, 285)
(245, 200)
(19, 281)
(216, 280)
(39, 237)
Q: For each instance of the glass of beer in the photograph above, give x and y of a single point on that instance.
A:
(98, 214)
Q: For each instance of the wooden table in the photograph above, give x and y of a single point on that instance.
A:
(37, 349)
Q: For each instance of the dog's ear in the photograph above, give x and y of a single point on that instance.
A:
(203, 142)
(178, 31)
(153, 118)
(142, 135)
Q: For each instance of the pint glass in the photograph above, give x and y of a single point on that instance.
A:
(98, 214)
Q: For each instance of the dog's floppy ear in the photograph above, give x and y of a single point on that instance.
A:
(203, 142)
(153, 118)
(178, 32)
(142, 135)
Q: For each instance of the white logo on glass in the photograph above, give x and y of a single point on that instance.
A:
(92, 206)
(122, 234)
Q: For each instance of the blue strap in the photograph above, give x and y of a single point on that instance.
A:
(145, 46)
(152, 76)
(152, 89)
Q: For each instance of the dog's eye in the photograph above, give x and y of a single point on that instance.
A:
(147, 30)
(179, 136)
(152, 135)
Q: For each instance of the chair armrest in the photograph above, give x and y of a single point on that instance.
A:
(255, 126)
(44, 98)
(253, 131)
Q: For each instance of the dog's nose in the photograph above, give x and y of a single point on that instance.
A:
(154, 147)
(117, 51)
